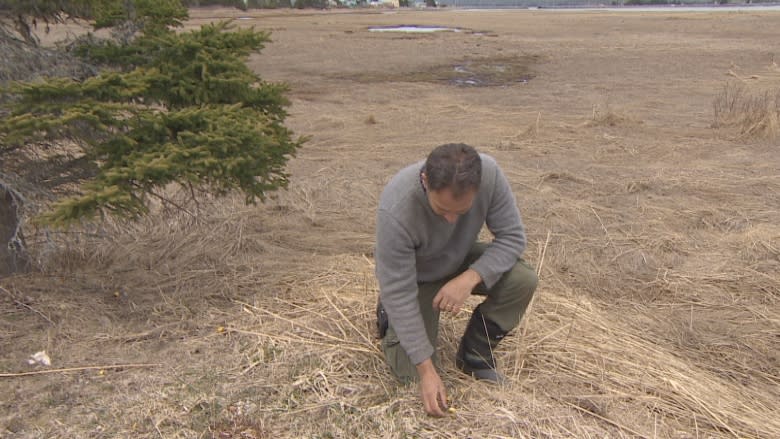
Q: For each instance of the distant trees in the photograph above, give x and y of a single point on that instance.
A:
(244, 4)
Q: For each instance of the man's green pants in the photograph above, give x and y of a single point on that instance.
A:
(505, 305)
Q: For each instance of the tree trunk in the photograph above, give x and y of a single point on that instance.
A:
(13, 255)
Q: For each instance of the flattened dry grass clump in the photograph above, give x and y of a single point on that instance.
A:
(752, 113)
(673, 337)
(620, 370)
(609, 117)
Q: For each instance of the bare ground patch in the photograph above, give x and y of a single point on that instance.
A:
(472, 72)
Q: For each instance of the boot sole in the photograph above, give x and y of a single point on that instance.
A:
(489, 375)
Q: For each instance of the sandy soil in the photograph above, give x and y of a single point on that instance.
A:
(653, 225)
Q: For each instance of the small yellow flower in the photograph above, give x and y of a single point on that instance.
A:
(220, 329)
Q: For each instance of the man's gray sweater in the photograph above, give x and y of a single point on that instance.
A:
(413, 245)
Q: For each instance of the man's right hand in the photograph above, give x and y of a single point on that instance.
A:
(434, 396)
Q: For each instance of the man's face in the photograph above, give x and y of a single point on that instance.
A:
(446, 205)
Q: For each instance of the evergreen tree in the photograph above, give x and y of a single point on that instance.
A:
(167, 107)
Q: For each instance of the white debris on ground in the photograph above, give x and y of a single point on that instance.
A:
(39, 358)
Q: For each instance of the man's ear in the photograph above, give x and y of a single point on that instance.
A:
(424, 179)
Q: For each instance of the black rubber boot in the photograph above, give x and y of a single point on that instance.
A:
(475, 354)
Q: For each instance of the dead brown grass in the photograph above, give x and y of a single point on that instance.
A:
(753, 113)
(657, 244)
(606, 116)
(297, 341)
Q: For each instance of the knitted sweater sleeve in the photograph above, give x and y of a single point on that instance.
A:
(504, 221)
(397, 276)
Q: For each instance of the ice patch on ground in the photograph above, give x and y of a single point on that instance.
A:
(413, 29)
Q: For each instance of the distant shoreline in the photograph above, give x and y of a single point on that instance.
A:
(628, 8)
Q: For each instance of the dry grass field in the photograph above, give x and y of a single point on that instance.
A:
(644, 153)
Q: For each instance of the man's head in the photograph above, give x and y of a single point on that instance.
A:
(451, 176)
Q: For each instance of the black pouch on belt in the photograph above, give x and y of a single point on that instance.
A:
(382, 322)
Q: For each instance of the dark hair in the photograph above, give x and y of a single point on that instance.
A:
(456, 166)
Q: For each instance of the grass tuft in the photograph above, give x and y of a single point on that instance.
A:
(752, 113)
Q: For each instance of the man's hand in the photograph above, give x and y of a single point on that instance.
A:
(434, 396)
(454, 293)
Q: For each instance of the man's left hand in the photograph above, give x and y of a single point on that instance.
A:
(454, 293)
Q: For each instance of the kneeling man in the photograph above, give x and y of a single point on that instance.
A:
(428, 260)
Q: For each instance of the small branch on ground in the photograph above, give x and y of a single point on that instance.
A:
(75, 369)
